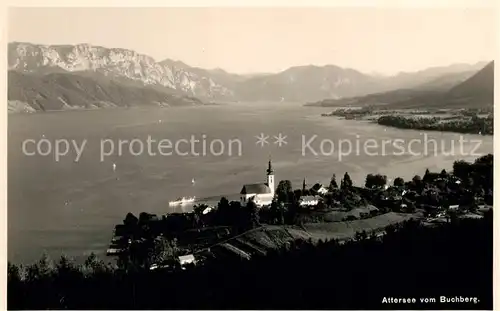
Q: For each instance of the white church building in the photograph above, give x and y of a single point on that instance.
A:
(262, 193)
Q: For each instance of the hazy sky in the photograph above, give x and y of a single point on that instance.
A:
(246, 40)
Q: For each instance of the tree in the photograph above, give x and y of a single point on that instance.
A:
(130, 220)
(139, 256)
(369, 181)
(443, 174)
(93, 265)
(15, 286)
(276, 212)
(238, 214)
(296, 193)
(417, 179)
(375, 181)
(399, 182)
(283, 190)
(426, 177)
(333, 183)
(281, 215)
(199, 208)
(252, 214)
(65, 265)
(13, 273)
(223, 204)
(347, 181)
(329, 199)
(225, 214)
(461, 169)
(164, 250)
(292, 211)
(380, 180)
(40, 270)
(66, 272)
(235, 205)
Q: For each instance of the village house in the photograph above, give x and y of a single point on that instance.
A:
(319, 189)
(187, 259)
(309, 200)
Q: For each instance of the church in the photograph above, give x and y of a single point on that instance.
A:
(262, 193)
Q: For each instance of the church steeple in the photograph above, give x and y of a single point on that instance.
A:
(270, 170)
(270, 176)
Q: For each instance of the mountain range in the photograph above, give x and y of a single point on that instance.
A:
(52, 77)
(458, 90)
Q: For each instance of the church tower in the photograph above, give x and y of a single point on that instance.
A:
(270, 177)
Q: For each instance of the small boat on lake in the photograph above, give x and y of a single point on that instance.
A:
(181, 201)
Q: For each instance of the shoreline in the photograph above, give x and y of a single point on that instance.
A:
(37, 112)
(457, 121)
(334, 201)
(424, 129)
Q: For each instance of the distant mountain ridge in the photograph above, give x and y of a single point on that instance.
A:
(304, 83)
(433, 77)
(458, 90)
(127, 68)
(446, 81)
(314, 82)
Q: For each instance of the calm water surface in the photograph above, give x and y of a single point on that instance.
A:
(72, 206)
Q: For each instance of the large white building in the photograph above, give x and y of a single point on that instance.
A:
(262, 193)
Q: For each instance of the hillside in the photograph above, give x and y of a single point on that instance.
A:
(446, 81)
(480, 84)
(262, 240)
(456, 90)
(258, 241)
(434, 77)
(56, 91)
(475, 92)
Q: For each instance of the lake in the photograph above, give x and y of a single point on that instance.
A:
(71, 206)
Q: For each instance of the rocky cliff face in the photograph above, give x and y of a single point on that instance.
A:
(113, 63)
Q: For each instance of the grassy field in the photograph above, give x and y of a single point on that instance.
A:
(261, 240)
(347, 229)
